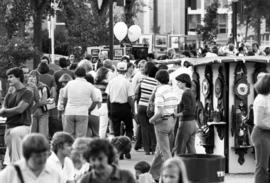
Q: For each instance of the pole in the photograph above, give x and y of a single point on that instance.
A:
(53, 21)
(111, 30)
(235, 22)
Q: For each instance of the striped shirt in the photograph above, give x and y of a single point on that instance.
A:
(147, 86)
(167, 99)
(102, 86)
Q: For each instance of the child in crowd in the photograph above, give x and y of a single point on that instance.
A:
(142, 172)
(123, 146)
(174, 170)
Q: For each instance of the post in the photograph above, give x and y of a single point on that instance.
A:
(111, 30)
(52, 37)
(234, 26)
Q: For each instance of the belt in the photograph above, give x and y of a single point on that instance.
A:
(167, 116)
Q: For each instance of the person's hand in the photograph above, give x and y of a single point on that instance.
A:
(151, 121)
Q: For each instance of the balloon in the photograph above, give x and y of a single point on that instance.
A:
(120, 30)
(134, 33)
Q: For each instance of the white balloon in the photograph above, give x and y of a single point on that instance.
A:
(120, 30)
(134, 33)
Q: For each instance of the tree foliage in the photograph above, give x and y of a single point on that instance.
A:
(210, 29)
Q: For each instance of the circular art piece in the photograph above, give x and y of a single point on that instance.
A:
(205, 88)
(218, 88)
(241, 88)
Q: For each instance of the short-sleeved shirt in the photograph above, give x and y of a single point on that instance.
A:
(48, 174)
(262, 104)
(117, 176)
(119, 89)
(147, 86)
(80, 94)
(67, 171)
(166, 98)
(12, 100)
(48, 80)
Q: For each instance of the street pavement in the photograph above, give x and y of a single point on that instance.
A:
(140, 155)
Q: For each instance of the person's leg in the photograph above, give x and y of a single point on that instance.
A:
(191, 142)
(93, 125)
(142, 118)
(181, 139)
(261, 143)
(69, 125)
(34, 124)
(138, 143)
(152, 137)
(14, 136)
(81, 126)
(116, 118)
(44, 124)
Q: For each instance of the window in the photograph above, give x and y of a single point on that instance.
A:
(222, 23)
(193, 22)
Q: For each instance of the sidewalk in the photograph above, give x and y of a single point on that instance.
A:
(139, 155)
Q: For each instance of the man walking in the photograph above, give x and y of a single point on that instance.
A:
(121, 104)
(17, 108)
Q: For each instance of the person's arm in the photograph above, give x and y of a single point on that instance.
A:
(20, 108)
(157, 115)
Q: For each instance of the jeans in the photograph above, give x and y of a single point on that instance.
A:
(164, 130)
(147, 130)
(93, 126)
(185, 137)
(76, 125)
(40, 123)
(13, 141)
(261, 141)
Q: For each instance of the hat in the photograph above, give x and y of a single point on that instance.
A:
(65, 78)
(184, 78)
(122, 66)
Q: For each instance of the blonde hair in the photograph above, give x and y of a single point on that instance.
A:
(86, 64)
(178, 162)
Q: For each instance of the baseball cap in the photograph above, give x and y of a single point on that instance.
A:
(122, 66)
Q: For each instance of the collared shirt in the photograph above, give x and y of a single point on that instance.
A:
(167, 99)
(67, 171)
(9, 175)
(80, 94)
(119, 89)
(117, 176)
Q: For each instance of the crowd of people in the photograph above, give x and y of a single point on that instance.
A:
(58, 123)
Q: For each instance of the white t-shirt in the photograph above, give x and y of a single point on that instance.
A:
(80, 94)
(67, 171)
(262, 104)
(119, 89)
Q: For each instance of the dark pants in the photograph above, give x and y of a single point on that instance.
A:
(138, 143)
(147, 130)
(93, 126)
(55, 124)
(185, 137)
(261, 141)
(121, 112)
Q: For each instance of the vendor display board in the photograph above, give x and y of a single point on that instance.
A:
(224, 90)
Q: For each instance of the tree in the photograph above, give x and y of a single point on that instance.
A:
(210, 29)
(253, 13)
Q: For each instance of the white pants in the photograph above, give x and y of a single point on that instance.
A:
(103, 120)
(13, 140)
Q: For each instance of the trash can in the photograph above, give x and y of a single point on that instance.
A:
(204, 168)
